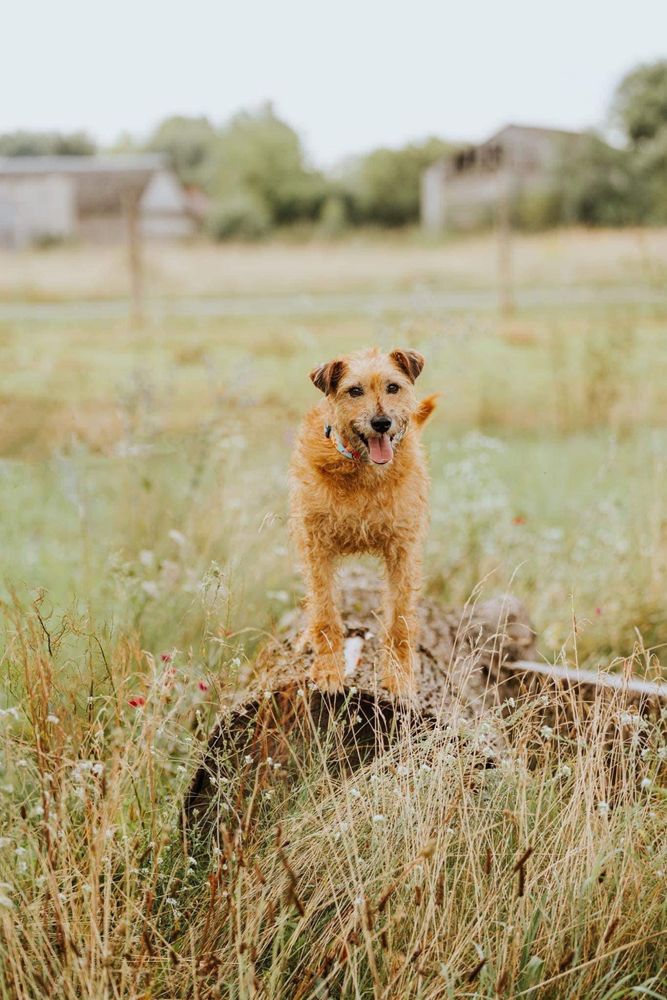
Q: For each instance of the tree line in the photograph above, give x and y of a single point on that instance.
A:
(258, 179)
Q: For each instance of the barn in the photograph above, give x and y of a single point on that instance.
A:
(462, 191)
(89, 198)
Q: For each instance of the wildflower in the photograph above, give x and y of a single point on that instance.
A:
(546, 732)
(150, 588)
(425, 767)
(519, 519)
(166, 657)
(20, 852)
(402, 770)
(146, 557)
(203, 686)
(355, 793)
(564, 771)
(12, 713)
(646, 783)
(603, 808)
(511, 702)
(53, 719)
(379, 818)
(301, 693)
(137, 702)
(267, 695)
(178, 537)
(247, 759)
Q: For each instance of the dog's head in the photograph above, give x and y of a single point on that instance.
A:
(372, 398)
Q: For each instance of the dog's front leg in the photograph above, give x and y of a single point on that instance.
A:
(403, 585)
(325, 625)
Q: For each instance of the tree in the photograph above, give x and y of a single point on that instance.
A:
(260, 156)
(385, 184)
(640, 102)
(190, 145)
(46, 144)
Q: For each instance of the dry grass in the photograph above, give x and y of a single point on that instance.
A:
(561, 258)
(420, 875)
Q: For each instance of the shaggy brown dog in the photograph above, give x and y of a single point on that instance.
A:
(358, 483)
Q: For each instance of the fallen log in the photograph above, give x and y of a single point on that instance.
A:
(473, 660)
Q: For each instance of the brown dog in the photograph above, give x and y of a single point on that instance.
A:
(359, 484)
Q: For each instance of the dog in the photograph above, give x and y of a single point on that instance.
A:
(359, 484)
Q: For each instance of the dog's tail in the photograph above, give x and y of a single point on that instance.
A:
(425, 409)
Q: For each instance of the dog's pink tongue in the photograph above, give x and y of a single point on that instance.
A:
(380, 449)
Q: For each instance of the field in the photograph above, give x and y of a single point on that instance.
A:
(144, 556)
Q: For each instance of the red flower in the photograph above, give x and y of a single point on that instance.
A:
(519, 519)
(137, 702)
(203, 686)
(166, 657)
(598, 611)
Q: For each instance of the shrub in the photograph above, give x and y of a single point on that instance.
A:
(241, 216)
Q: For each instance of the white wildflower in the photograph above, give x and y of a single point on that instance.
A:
(646, 783)
(379, 818)
(603, 807)
(53, 719)
(146, 557)
(178, 537)
(355, 793)
(150, 588)
(546, 732)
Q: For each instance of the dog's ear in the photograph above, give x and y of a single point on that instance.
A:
(326, 377)
(410, 362)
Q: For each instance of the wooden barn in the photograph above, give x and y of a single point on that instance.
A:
(90, 198)
(463, 191)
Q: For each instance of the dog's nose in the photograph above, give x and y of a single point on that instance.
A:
(381, 424)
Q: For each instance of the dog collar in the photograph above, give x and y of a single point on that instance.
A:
(351, 453)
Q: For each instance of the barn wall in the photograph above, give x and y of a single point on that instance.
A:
(35, 208)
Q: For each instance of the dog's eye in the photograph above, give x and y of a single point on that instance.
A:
(356, 390)
(393, 388)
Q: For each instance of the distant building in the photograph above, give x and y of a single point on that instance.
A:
(89, 198)
(462, 191)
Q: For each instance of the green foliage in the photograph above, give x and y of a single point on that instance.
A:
(46, 144)
(640, 102)
(260, 156)
(189, 143)
(334, 217)
(386, 182)
(595, 185)
(240, 215)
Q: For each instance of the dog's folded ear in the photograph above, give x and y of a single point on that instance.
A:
(409, 362)
(326, 377)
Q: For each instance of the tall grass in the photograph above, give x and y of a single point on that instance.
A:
(422, 874)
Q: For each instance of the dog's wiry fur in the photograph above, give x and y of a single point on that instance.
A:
(343, 507)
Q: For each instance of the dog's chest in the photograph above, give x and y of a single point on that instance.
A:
(370, 520)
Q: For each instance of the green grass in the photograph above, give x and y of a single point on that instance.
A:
(143, 497)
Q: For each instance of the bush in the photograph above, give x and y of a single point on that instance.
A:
(334, 219)
(239, 216)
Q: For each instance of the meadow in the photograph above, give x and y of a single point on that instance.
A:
(145, 555)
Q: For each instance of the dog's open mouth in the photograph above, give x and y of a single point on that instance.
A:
(379, 448)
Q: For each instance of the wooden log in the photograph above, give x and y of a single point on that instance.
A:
(472, 660)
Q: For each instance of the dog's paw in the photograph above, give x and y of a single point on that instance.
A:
(328, 672)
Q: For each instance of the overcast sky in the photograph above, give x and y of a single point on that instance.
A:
(349, 74)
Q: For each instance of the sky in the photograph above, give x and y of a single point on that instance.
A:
(350, 75)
